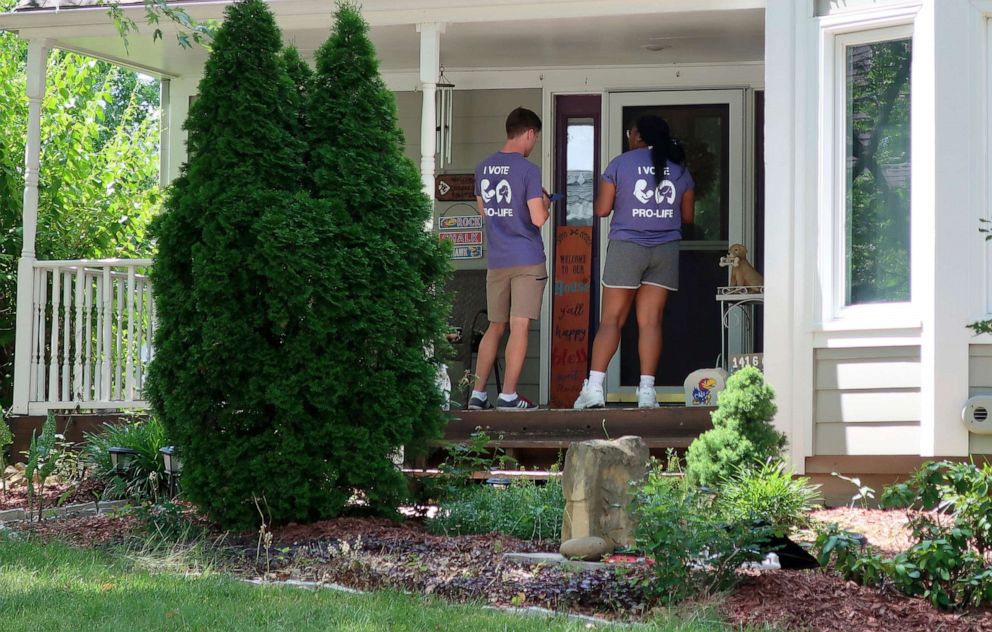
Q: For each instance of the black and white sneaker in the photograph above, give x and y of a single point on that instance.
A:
(479, 404)
(517, 403)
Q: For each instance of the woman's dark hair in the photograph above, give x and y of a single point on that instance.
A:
(654, 131)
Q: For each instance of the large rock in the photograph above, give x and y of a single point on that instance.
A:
(590, 548)
(597, 484)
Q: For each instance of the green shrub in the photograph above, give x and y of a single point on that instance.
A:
(524, 509)
(695, 551)
(950, 521)
(6, 438)
(143, 476)
(742, 430)
(295, 312)
(852, 559)
(767, 493)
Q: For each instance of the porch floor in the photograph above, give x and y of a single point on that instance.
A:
(537, 438)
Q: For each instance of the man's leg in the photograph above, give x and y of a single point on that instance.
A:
(488, 348)
(516, 352)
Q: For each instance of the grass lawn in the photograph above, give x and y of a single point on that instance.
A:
(54, 587)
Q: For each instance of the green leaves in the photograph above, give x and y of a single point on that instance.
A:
(295, 286)
(742, 430)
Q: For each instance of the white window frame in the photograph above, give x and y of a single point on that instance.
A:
(837, 34)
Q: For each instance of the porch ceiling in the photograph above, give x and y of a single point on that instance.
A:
(615, 33)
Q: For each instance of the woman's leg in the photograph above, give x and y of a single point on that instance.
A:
(616, 308)
(650, 309)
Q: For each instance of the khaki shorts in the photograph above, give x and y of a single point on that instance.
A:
(515, 291)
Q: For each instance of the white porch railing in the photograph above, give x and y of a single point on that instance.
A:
(91, 334)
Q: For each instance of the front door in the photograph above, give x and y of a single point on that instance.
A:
(710, 126)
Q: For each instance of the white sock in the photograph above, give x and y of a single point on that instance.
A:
(596, 379)
(480, 395)
(647, 381)
(508, 397)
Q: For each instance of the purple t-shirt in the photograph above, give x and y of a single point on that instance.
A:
(647, 209)
(505, 182)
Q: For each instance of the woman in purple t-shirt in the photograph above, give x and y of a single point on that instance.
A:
(650, 193)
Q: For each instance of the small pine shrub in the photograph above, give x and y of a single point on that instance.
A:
(143, 477)
(742, 430)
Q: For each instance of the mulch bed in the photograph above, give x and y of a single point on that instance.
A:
(83, 492)
(371, 554)
(817, 600)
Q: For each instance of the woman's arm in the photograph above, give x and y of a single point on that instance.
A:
(605, 199)
(689, 206)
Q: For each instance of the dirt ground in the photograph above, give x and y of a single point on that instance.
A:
(369, 554)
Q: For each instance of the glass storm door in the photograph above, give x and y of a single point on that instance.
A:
(710, 125)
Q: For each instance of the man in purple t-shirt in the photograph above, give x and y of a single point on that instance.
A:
(515, 206)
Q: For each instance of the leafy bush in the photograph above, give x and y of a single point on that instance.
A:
(695, 551)
(852, 559)
(524, 509)
(742, 430)
(42, 460)
(768, 494)
(143, 476)
(950, 520)
(6, 438)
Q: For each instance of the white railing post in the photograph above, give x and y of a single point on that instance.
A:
(66, 320)
(106, 334)
(36, 66)
(77, 366)
(129, 376)
(53, 359)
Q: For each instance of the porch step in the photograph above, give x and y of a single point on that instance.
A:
(527, 433)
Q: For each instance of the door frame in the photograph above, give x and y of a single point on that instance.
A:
(740, 202)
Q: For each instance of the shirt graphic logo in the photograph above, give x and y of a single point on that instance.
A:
(502, 192)
(641, 192)
(664, 193)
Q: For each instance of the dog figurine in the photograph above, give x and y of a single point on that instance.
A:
(743, 273)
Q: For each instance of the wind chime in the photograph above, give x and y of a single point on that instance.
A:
(445, 92)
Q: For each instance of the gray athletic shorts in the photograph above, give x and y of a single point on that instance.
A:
(628, 265)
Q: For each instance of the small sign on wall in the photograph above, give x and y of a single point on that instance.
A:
(462, 237)
(454, 187)
(740, 360)
(459, 222)
(467, 252)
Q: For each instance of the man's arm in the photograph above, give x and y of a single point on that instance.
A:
(605, 199)
(482, 209)
(538, 208)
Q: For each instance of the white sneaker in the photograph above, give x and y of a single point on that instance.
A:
(646, 397)
(590, 397)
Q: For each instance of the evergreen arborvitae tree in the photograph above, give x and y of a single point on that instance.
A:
(742, 430)
(390, 315)
(237, 241)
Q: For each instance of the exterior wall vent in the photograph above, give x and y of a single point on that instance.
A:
(976, 414)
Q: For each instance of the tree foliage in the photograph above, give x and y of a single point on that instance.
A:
(742, 430)
(293, 322)
(99, 180)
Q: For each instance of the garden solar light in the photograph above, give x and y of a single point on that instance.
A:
(120, 456)
(173, 464)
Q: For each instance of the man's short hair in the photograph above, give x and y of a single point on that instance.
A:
(520, 120)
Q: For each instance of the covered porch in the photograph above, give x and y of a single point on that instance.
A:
(588, 68)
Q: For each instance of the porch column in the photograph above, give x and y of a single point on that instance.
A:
(165, 132)
(36, 67)
(430, 69)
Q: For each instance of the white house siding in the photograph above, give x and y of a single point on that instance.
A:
(479, 118)
(867, 401)
(980, 383)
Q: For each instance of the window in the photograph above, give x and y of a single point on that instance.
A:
(876, 171)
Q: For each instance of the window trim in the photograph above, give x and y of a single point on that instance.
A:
(837, 36)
